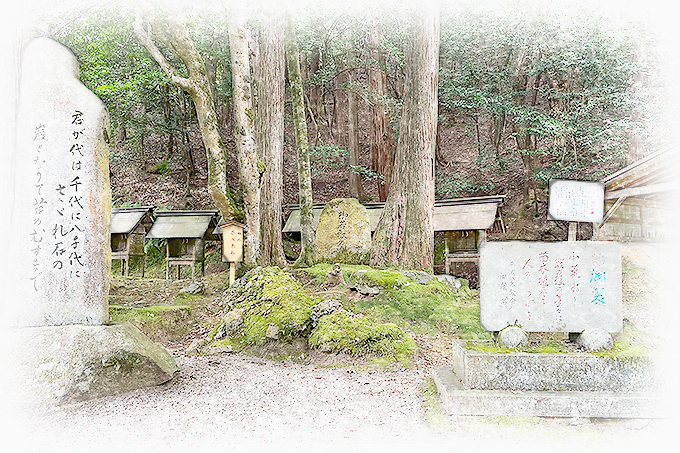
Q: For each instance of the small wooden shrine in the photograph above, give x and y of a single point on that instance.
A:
(128, 230)
(465, 222)
(641, 200)
(186, 233)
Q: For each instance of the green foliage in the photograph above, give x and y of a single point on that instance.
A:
(162, 167)
(587, 103)
(453, 186)
(351, 333)
(326, 157)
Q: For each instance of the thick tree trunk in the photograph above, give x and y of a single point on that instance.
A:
(382, 152)
(306, 257)
(168, 28)
(244, 132)
(356, 188)
(269, 128)
(404, 236)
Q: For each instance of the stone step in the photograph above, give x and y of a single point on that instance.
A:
(459, 401)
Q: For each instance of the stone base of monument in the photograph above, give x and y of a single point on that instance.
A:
(548, 385)
(66, 364)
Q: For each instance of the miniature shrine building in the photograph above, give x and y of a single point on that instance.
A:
(129, 227)
(185, 233)
(641, 200)
(464, 221)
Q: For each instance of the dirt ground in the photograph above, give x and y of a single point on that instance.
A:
(236, 401)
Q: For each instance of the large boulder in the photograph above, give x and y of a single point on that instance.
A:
(344, 233)
(65, 364)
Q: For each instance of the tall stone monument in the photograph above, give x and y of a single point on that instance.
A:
(62, 199)
(56, 309)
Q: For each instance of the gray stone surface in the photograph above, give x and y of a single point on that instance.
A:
(323, 308)
(420, 277)
(578, 371)
(512, 337)
(59, 243)
(64, 364)
(593, 339)
(550, 286)
(196, 287)
(344, 233)
(452, 282)
(460, 401)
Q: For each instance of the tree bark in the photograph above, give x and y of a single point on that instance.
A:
(356, 188)
(306, 257)
(382, 152)
(167, 26)
(244, 132)
(404, 236)
(269, 128)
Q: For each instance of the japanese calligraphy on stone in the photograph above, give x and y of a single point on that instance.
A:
(62, 204)
(550, 286)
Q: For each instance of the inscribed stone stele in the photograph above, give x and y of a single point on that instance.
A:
(62, 198)
(550, 286)
(344, 233)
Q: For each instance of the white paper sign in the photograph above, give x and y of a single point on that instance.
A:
(576, 201)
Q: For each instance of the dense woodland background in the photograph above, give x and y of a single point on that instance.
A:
(527, 92)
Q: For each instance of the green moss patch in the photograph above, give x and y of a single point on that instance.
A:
(318, 272)
(158, 322)
(347, 332)
(267, 297)
(429, 307)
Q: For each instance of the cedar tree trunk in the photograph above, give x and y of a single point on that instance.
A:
(270, 82)
(404, 236)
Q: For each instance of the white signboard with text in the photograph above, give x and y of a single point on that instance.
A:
(576, 201)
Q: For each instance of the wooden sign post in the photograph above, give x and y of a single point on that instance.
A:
(232, 246)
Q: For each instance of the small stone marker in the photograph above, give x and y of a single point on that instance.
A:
(550, 286)
(62, 199)
(344, 233)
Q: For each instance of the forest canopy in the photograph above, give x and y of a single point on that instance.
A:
(528, 91)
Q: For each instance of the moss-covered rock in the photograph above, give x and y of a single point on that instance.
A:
(343, 331)
(263, 298)
(344, 233)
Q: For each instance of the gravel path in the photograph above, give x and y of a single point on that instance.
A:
(252, 404)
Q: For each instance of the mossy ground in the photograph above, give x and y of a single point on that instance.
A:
(406, 320)
(158, 322)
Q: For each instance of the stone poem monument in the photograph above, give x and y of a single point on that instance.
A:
(57, 309)
(344, 233)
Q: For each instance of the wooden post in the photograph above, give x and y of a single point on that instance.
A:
(232, 246)
(573, 228)
(232, 273)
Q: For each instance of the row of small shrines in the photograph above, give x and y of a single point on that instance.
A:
(185, 233)
(465, 222)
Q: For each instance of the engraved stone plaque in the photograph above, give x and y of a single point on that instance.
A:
(550, 286)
